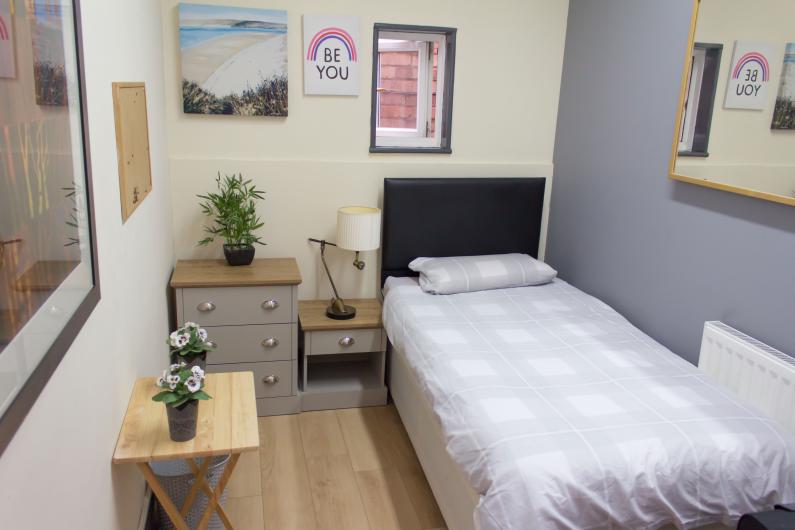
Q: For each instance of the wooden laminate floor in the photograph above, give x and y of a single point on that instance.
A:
(351, 469)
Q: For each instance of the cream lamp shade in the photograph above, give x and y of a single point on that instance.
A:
(358, 228)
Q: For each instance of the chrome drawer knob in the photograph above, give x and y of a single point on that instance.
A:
(205, 307)
(347, 341)
(270, 304)
(270, 342)
(270, 379)
(212, 344)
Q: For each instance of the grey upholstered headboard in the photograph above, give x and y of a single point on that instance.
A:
(458, 217)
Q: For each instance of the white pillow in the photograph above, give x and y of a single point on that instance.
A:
(464, 274)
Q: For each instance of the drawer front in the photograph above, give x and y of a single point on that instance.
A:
(225, 306)
(250, 344)
(344, 341)
(272, 379)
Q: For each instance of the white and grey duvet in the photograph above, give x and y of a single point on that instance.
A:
(564, 415)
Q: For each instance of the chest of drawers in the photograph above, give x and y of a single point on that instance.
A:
(251, 314)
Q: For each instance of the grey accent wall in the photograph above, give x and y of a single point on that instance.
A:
(667, 255)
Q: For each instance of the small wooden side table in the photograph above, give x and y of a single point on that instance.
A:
(342, 361)
(227, 424)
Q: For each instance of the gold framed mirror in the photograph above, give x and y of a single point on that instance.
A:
(735, 123)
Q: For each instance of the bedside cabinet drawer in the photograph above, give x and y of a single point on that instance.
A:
(343, 341)
(272, 379)
(216, 306)
(250, 344)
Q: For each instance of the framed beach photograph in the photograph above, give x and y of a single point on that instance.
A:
(234, 60)
(49, 61)
(784, 112)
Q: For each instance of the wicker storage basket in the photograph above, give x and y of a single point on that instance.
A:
(176, 478)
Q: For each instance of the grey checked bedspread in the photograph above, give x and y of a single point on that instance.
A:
(564, 415)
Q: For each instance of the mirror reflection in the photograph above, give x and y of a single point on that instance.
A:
(45, 244)
(737, 115)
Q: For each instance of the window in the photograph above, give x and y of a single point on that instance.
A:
(699, 100)
(412, 93)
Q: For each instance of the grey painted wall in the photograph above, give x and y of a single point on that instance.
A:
(665, 254)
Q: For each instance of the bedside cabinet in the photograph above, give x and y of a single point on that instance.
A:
(342, 362)
(250, 313)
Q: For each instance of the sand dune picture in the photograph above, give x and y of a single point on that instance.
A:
(49, 63)
(784, 112)
(234, 60)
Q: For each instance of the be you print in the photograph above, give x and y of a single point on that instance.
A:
(331, 55)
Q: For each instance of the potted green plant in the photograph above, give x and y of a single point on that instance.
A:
(190, 344)
(234, 212)
(182, 390)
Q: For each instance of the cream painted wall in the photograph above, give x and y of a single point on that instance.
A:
(57, 472)
(507, 79)
(742, 147)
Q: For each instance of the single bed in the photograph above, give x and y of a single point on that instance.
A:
(541, 407)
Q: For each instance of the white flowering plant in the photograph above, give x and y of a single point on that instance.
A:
(189, 340)
(180, 384)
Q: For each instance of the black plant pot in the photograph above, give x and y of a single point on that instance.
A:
(200, 360)
(239, 255)
(182, 420)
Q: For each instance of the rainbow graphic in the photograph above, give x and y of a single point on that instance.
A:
(4, 35)
(752, 57)
(331, 33)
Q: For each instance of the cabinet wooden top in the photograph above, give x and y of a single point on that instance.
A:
(216, 273)
(312, 314)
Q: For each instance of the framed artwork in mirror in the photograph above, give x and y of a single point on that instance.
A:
(49, 281)
(734, 125)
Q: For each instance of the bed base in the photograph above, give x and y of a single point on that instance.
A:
(454, 495)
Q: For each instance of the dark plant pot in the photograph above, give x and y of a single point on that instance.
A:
(182, 420)
(200, 359)
(236, 255)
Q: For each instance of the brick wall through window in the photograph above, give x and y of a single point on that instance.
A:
(398, 97)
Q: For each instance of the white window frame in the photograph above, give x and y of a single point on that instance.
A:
(420, 42)
(692, 100)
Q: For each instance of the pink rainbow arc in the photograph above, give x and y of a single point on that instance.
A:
(752, 57)
(331, 33)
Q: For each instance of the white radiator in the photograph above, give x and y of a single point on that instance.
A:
(759, 374)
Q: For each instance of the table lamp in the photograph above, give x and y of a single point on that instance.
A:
(359, 230)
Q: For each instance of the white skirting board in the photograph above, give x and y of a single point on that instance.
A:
(146, 509)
